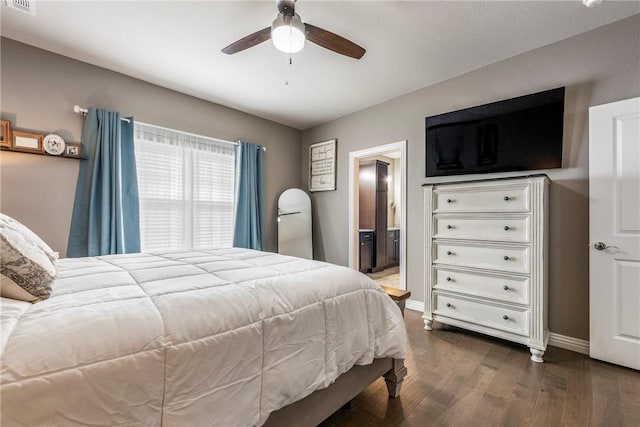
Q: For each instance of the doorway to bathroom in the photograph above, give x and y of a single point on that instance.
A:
(377, 213)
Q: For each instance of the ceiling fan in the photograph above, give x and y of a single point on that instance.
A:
(288, 34)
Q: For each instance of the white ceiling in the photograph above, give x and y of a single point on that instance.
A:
(410, 45)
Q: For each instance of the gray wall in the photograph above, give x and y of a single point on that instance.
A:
(597, 67)
(38, 91)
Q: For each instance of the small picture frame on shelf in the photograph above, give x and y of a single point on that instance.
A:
(73, 149)
(27, 142)
(5, 133)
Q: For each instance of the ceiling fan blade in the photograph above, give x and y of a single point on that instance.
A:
(333, 42)
(248, 41)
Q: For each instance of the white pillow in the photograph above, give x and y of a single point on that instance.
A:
(26, 267)
(28, 234)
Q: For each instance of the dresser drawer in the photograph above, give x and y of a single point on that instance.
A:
(477, 227)
(493, 257)
(482, 199)
(504, 288)
(508, 319)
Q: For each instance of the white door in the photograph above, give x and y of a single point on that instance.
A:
(614, 230)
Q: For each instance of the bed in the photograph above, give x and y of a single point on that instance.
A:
(228, 337)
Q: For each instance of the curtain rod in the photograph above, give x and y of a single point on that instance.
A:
(83, 112)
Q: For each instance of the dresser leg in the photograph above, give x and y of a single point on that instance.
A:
(536, 355)
(428, 324)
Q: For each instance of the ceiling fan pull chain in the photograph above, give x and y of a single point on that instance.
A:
(287, 64)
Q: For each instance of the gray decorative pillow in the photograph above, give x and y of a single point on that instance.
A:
(11, 289)
(26, 268)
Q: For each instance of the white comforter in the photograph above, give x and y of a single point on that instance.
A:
(217, 337)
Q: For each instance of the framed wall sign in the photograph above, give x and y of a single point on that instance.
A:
(27, 141)
(5, 133)
(322, 166)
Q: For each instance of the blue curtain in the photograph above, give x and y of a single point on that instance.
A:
(249, 213)
(106, 216)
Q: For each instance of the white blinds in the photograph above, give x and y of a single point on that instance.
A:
(186, 189)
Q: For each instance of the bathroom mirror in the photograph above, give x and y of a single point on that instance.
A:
(294, 224)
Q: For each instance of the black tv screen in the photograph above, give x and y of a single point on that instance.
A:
(523, 133)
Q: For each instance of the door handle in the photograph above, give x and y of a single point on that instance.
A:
(601, 246)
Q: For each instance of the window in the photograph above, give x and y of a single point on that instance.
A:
(186, 189)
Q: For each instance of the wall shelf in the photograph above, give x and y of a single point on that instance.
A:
(20, 141)
(39, 153)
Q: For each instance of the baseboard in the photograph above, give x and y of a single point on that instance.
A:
(556, 340)
(412, 304)
(569, 343)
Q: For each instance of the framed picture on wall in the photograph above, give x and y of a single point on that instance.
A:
(27, 141)
(322, 166)
(5, 133)
(73, 149)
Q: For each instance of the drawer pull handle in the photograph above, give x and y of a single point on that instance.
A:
(506, 258)
(449, 227)
(507, 198)
(505, 287)
(449, 253)
(506, 228)
(505, 317)
(450, 200)
(449, 305)
(449, 279)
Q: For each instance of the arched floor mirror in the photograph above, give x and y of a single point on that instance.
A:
(294, 224)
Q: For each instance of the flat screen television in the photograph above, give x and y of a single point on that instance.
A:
(518, 134)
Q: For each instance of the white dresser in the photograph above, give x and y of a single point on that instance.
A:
(486, 258)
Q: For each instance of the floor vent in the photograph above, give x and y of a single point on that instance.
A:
(28, 6)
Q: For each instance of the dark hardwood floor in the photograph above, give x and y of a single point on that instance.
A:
(458, 378)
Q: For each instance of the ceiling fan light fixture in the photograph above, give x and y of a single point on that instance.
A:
(287, 33)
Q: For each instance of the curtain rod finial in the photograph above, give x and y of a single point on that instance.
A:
(79, 110)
